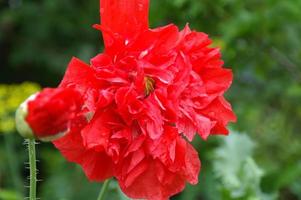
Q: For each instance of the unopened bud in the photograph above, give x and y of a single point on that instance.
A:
(47, 115)
(24, 128)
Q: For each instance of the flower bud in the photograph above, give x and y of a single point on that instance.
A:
(47, 115)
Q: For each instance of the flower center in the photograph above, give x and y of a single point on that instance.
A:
(149, 85)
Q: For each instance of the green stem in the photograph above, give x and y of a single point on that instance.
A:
(103, 190)
(33, 169)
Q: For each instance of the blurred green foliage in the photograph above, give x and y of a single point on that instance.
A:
(11, 96)
(234, 165)
(260, 40)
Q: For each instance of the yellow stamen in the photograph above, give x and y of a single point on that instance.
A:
(149, 85)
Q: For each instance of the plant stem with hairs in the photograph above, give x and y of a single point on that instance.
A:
(33, 169)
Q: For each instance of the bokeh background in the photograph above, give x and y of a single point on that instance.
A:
(260, 41)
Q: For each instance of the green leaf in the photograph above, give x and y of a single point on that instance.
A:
(237, 171)
(9, 195)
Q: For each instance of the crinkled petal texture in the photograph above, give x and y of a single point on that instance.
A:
(142, 101)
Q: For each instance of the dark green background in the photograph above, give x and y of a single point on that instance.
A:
(261, 41)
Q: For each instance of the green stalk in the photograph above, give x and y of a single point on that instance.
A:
(33, 169)
(103, 190)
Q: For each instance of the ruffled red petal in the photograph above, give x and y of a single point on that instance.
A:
(97, 165)
(123, 19)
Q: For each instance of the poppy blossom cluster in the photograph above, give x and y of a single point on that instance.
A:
(132, 112)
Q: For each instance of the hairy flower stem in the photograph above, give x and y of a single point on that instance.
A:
(103, 190)
(33, 169)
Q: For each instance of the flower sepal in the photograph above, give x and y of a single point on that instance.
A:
(22, 126)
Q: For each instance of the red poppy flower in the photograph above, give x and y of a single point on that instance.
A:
(149, 91)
